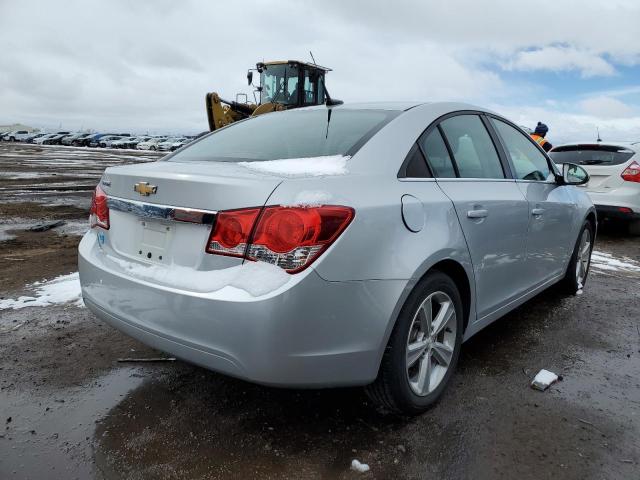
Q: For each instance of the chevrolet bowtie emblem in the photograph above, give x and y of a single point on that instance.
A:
(143, 188)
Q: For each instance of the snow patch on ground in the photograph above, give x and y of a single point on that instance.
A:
(301, 167)
(13, 224)
(60, 290)
(606, 261)
(359, 467)
(256, 278)
(311, 198)
(73, 227)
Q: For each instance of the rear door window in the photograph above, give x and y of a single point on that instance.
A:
(437, 155)
(473, 150)
(528, 162)
(604, 155)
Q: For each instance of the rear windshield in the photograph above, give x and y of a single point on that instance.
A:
(591, 154)
(291, 134)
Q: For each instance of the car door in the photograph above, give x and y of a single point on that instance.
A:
(491, 209)
(551, 205)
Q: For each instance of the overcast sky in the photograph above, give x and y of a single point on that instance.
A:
(145, 66)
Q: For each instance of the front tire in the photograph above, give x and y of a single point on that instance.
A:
(423, 350)
(578, 269)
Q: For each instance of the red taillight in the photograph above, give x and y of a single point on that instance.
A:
(230, 235)
(99, 212)
(289, 237)
(632, 173)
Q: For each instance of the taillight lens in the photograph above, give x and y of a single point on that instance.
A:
(230, 236)
(632, 173)
(99, 212)
(289, 237)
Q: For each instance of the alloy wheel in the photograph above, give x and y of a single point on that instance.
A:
(430, 343)
(584, 257)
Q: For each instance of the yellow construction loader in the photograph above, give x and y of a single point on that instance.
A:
(283, 85)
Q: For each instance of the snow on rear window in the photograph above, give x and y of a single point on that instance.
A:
(301, 167)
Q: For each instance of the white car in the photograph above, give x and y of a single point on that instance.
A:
(614, 177)
(17, 136)
(168, 144)
(105, 142)
(151, 144)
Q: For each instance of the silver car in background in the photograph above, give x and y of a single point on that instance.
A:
(329, 246)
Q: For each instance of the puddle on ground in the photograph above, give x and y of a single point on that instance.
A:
(52, 436)
(10, 227)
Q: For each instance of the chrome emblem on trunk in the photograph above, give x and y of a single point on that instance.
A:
(144, 189)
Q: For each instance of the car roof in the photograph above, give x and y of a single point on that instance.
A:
(403, 106)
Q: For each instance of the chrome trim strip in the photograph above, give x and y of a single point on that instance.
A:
(162, 212)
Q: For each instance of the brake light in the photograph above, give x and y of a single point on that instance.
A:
(99, 212)
(230, 235)
(632, 173)
(289, 237)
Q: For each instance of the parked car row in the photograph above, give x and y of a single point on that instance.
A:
(101, 140)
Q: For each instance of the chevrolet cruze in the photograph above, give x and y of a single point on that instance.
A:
(330, 246)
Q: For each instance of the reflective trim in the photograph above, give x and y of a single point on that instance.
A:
(470, 179)
(162, 212)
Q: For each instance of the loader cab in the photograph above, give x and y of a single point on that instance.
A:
(293, 84)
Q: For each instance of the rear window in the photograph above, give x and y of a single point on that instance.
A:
(591, 154)
(291, 134)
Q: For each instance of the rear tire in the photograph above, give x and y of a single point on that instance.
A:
(422, 352)
(578, 269)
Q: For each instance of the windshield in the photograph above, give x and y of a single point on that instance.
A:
(289, 134)
(279, 84)
(591, 154)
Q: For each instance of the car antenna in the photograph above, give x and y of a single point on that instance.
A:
(598, 139)
(312, 59)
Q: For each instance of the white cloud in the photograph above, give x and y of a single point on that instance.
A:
(147, 66)
(607, 107)
(567, 126)
(561, 59)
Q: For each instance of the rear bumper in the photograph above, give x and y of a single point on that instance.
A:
(308, 333)
(616, 212)
(614, 203)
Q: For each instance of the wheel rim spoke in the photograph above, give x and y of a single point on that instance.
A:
(425, 312)
(424, 374)
(442, 353)
(444, 316)
(415, 351)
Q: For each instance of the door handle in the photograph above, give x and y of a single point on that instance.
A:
(479, 213)
(537, 211)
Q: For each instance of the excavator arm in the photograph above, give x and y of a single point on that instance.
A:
(221, 113)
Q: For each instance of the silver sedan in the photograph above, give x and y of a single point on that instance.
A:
(347, 245)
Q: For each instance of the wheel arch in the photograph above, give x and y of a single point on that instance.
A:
(460, 270)
(458, 274)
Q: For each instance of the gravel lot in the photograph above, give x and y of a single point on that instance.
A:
(69, 409)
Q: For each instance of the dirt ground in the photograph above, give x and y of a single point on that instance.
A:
(69, 409)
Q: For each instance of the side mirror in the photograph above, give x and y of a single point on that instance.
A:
(573, 174)
(249, 77)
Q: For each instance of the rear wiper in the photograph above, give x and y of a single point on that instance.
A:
(594, 162)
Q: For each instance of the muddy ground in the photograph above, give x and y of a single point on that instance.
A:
(69, 409)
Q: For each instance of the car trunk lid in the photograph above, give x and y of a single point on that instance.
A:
(162, 213)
